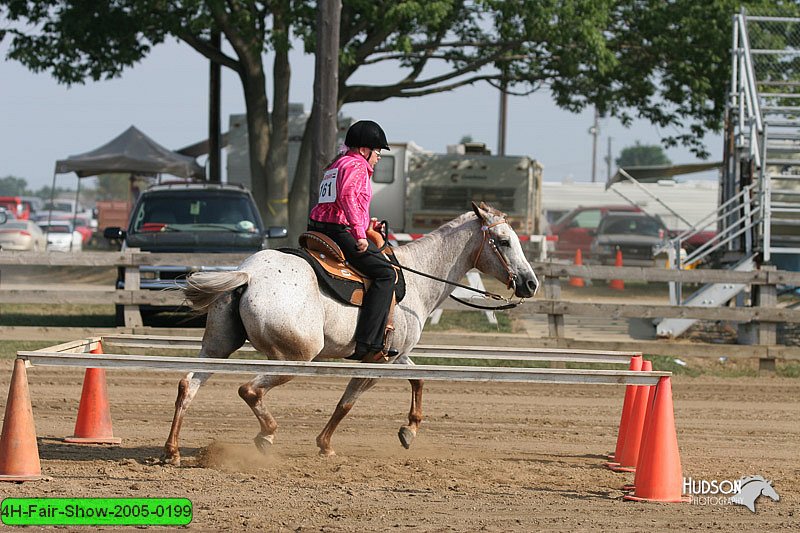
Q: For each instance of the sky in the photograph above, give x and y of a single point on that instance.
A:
(166, 96)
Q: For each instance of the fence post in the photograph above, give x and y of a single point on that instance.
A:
(552, 291)
(133, 317)
(767, 296)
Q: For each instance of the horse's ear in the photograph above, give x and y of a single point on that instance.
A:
(477, 210)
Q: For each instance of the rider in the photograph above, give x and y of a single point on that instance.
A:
(343, 215)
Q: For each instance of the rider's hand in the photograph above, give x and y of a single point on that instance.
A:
(361, 245)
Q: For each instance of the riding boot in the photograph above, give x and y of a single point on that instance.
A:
(363, 351)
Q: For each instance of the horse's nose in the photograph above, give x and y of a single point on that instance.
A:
(532, 285)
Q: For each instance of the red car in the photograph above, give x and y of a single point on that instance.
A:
(578, 228)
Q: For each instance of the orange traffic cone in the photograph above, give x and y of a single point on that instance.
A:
(651, 393)
(576, 281)
(19, 452)
(633, 434)
(93, 425)
(627, 405)
(617, 284)
(659, 474)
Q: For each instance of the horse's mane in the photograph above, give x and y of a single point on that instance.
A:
(455, 223)
(748, 479)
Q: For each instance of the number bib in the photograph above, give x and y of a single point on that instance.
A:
(327, 187)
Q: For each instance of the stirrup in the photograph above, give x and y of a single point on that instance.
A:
(387, 355)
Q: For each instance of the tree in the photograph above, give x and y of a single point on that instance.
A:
(76, 41)
(666, 62)
(13, 186)
(642, 155)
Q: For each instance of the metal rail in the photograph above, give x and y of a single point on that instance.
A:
(429, 351)
(360, 370)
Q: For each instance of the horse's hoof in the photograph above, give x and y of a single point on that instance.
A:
(326, 453)
(172, 459)
(264, 442)
(406, 437)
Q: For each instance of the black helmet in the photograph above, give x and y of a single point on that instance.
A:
(366, 133)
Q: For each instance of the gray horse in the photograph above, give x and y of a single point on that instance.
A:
(274, 300)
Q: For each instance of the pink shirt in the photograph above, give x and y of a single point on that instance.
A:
(353, 192)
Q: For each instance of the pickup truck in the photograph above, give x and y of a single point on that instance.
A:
(190, 217)
(577, 229)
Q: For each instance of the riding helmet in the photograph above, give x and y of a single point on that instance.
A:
(366, 133)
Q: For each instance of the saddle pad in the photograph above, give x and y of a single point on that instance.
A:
(348, 292)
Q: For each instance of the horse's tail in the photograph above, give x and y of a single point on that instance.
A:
(203, 288)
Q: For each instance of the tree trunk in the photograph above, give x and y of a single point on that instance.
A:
(298, 197)
(258, 132)
(278, 155)
(326, 87)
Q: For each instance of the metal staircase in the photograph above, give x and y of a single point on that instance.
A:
(758, 220)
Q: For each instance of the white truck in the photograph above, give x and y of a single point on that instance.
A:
(417, 190)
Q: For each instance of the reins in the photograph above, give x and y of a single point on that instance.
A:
(494, 296)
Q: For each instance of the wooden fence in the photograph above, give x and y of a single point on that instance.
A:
(764, 315)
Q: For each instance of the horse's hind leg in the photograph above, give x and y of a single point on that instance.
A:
(187, 388)
(224, 335)
(407, 433)
(348, 399)
(253, 394)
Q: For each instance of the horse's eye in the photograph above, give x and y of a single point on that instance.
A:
(504, 242)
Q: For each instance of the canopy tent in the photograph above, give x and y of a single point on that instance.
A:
(132, 152)
(649, 174)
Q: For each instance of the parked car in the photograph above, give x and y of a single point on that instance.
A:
(636, 235)
(576, 230)
(62, 237)
(196, 218)
(81, 222)
(16, 207)
(34, 204)
(22, 236)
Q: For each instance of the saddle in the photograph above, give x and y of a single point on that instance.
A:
(339, 279)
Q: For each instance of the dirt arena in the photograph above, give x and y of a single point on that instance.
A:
(489, 457)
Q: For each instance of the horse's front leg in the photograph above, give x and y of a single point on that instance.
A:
(409, 432)
(187, 388)
(348, 399)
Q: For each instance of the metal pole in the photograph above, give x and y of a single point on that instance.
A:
(654, 197)
(214, 112)
(501, 134)
(595, 130)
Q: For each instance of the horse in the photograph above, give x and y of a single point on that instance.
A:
(274, 301)
(751, 488)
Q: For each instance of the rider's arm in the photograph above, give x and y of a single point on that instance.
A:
(354, 198)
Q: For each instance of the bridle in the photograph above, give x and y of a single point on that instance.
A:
(487, 238)
(487, 294)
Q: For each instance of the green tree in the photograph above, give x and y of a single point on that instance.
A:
(77, 41)
(13, 186)
(666, 62)
(640, 155)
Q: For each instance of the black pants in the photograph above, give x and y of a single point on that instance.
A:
(375, 307)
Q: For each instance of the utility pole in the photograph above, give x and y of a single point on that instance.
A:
(595, 131)
(214, 90)
(608, 161)
(501, 134)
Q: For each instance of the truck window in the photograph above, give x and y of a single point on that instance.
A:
(384, 170)
(586, 219)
